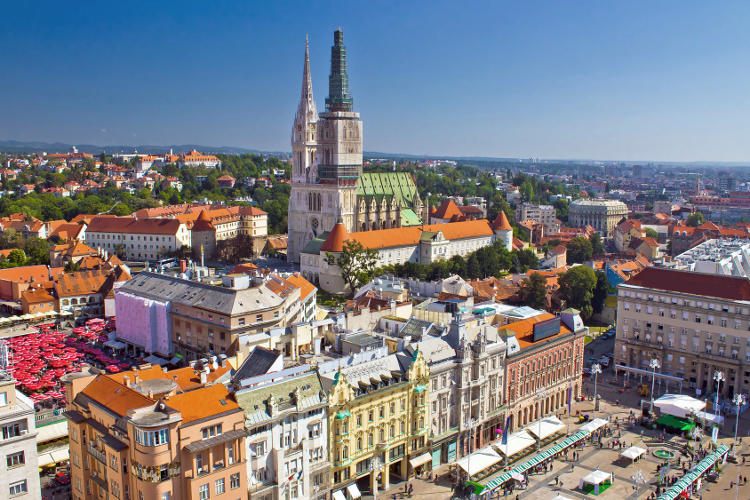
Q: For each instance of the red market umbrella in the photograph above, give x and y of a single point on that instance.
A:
(113, 368)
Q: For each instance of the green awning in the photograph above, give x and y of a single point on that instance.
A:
(675, 423)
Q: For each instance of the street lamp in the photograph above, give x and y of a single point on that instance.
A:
(470, 424)
(375, 469)
(539, 397)
(638, 479)
(719, 378)
(596, 369)
(654, 364)
(739, 400)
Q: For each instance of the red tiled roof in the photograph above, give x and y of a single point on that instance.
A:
(524, 330)
(335, 240)
(132, 225)
(501, 222)
(306, 288)
(447, 209)
(708, 285)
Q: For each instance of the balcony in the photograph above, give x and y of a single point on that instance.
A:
(98, 454)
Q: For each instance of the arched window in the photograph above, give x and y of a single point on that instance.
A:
(382, 435)
(393, 430)
(345, 453)
(369, 439)
(359, 444)
(73, 302)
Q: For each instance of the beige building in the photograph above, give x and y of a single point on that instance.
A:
(378, 421)
(602, 215)
(545, 215)
(19, 474)
(153, 434)
(137, 239)
(167, 315)
(692, 323)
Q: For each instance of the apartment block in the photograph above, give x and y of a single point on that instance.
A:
(156, 434)
(693, 323)
(19, 473)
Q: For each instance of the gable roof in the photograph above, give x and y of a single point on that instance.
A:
(132, 225)
(447, 210)
(689, 282)
(115, 396)
(258, 363)
(306, 288)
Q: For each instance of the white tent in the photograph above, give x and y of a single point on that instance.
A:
(546, 427)
(156, 360)
(596, 478)
(679, 405)
(479, 461)
(517, 476)
(703, 416)
(560, 497)
(593, 425)
(633, 452)
(518, 441)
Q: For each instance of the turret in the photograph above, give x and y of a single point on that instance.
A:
(304, 137)
(503, 230)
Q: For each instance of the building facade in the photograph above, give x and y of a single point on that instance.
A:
(19, 473)
(544, 365)
(137, 239)
(378, 420)
(327, 179)
(602, 215)
(167, 315)
(154, 434)
(693, 323)
(287, 448)
(541, 214)
(422, 244)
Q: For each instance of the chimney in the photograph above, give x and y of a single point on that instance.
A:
(204, 377)
(214, 364)
(164, 369)
(126, 381)
(150, 394)
(137, 378)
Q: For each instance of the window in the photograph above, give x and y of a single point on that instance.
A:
(3, 398)
(18, 488)
(219, 486)
(234, 480)
(15, 459)
(209, 432)
(203, 493)
(152, 438)
(11, 430)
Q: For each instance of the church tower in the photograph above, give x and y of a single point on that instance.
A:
(303, 130)
(327, 162)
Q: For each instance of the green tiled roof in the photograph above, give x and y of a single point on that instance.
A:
(397, 184)
(409, 218)
(313, 246)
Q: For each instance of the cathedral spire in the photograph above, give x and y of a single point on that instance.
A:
(306, 108)
(339, 98)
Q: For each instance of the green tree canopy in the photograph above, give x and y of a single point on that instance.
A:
(579, 250)
(597, 247)
(534, 291)
(601, 290)
(696, 219)
(577, 289)
(651, 233)
(357, 264)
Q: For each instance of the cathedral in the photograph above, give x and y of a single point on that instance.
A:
(328, 184)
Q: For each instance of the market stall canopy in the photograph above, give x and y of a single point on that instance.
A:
(633, 452)
(675, 423)
(479, 460)
(516, 475)
(596, 477)
(156, 360)
(560, 497)
(546, 427)
(115, 344)
(517, 442)
(354, 490)
(339, 495)
(679, 405)
(593, 425)
(709, 417)
(420, 460)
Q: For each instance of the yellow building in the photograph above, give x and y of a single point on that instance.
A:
(378, 421)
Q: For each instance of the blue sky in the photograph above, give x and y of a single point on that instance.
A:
(667, 80)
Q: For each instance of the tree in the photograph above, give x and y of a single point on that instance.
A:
(577, 289)
(458, 265)
(579, 250)
(597, 247)
(527, 191)
(524, 260)
(534, 291)
(16, 257)
(37, 250)
(71, 267)
(601, 290)
(696, 219)
(651, 233)
(357, 264)
(561, 208)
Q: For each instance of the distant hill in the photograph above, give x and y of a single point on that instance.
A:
(11, 146)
